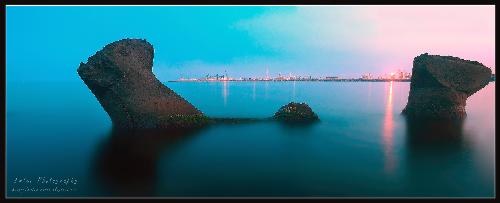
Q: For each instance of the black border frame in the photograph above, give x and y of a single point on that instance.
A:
(211, 2)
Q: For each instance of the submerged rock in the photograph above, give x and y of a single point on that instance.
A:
(295, 112)
(120, 76)
(440, 85)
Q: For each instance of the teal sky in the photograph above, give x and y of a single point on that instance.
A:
(47, 43)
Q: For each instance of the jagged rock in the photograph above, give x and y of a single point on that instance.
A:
(295, 112)
(120, 76)
(440, 85)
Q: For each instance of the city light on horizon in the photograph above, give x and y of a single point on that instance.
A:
(399, 75)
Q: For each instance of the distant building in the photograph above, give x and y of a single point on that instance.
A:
(367, 76)
(407, 76)
(401, 75)
(331, 77)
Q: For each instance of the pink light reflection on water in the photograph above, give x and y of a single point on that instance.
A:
(388, 133)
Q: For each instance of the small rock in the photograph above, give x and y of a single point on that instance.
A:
(295, 112)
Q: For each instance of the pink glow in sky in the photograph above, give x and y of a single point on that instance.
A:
(376, 39)
(406, 31)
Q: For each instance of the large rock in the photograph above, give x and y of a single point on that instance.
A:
(121, 78)
(295, 112)
(440, 86)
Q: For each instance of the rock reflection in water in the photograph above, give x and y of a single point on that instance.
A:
(435, 152)
(127, 162)
(434, 134)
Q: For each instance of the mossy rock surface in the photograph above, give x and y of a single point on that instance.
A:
(295, 112)
(184, 121)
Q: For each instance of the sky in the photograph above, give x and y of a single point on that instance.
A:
(47, 43)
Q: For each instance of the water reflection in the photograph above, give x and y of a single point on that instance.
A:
(126, 163)
(265, 90)
(224, 92)
(435, 152)
(253, 93)
(388, 133)
(369, 90)
(369, 101)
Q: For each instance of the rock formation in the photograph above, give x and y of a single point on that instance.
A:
(440, 86)
(120, 76)
(295, 112)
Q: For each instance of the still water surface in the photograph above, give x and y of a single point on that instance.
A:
(361, 147)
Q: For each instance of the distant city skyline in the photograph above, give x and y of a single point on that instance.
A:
(48, 43)
(399, 74)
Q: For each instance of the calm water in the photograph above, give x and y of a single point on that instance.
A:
(361, 147)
